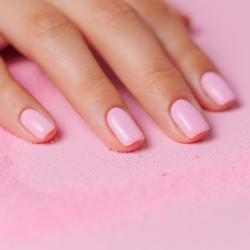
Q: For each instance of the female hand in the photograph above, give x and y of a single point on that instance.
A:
(143, 42)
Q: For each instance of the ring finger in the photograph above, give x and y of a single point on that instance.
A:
(204, 79)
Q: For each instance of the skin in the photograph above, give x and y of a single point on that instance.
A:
(145, 42)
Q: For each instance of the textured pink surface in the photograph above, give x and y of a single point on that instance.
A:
(74, 193)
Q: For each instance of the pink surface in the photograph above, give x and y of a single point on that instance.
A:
(74, 193)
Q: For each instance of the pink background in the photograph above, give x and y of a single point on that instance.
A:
(73, 193)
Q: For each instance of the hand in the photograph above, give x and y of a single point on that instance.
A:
(143, 42)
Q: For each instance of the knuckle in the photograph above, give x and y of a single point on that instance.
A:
(46, 25)
(157, 77)
(153, 10)
(87, 86)
(114, 13)
(190, 54)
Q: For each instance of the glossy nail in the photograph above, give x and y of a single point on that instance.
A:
(188, 118)
(217, 88)
(124, 127)
(36, 123)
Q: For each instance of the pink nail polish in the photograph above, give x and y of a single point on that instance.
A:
(188, 118)
(36, 123)
(124, 127)
(217, 88)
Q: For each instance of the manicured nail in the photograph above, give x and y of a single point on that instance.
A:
(36, 123)
(124, 127)
(188, 118)
(217, 88)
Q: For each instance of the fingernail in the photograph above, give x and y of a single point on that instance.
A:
(36, 123)
(188, 118)
(124, 127)
(217, 88)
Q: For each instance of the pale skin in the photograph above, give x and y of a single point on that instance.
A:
(145, 42)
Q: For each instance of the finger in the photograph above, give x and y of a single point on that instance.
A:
(49, 38)
(121, 37)
(20, 113)
(208, 86)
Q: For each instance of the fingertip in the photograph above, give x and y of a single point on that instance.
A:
(196, 138)
(218, 90)
(132, 147)
(40, 125)
(217, 108)
(49, 136)
(125, 129)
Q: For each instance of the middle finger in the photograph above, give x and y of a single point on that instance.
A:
(121, 37)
